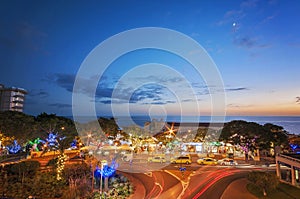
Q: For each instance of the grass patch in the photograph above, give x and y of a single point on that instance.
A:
(283, 190)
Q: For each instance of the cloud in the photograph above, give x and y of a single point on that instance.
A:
(132, 90)
(248, 4)
(234, 105)
(238, 14)
(236, 89)
(245, 41)
(298, 100)
(268, 18)
(187, 100)
(240, 31)
(65, 81)
(231, 16)
(103, 92)
(249, 42)
(151, 92)
(38, 93)
(103, 101)
(60, 105)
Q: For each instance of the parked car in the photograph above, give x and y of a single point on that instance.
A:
(228, 161)
(182, 160)
(207, 161)
(157, 158)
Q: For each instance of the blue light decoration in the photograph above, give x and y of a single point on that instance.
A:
(52, 140)
(108, 171)
(182, 169)
(74, 144)
(14, 148)
(294, 146)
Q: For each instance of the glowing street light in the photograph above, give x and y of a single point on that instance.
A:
(89, 137)
(103, 164)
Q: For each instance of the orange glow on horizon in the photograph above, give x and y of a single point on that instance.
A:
(265, 111)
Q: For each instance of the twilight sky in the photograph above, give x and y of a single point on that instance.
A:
(255, 45)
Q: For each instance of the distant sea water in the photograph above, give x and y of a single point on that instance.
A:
(290, 123)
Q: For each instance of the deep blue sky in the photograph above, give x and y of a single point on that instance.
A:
(255, 45)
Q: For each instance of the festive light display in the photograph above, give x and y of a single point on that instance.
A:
(5, 139)
(34, 144)
(14, 148)
(74, 144)
(106, 172)
(52, 140)
(294, 147)
(60, 165)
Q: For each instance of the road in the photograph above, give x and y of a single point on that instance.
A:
(195, 182)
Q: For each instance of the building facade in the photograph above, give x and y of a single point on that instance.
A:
(12, 98)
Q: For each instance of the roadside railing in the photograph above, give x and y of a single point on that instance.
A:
(289, 158)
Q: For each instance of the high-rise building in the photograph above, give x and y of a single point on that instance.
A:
(12, 99)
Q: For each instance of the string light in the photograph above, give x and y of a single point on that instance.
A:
(60, 165)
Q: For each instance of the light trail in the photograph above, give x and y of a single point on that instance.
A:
(183, 184)
(207, 178)
(160, 184)
(225, 174)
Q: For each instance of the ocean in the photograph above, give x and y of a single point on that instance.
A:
(290, 123)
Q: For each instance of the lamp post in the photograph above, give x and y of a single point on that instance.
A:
(103, 163)
(89, 137)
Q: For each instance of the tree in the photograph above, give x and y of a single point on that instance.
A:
(109, 126)
(265, 181)
(60, 131)
(279, 136)
(50, 123)
(24, 127)
(17, 125)
(23, 179)
(25, 169)
(249, 135)
(78, 177)
(201, 133)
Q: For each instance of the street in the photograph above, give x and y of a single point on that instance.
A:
(194, 182)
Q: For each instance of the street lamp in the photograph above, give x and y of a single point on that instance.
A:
(103, 163)
(89, 137)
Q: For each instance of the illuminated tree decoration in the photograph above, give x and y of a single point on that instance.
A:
(61, 159)
(34, 144)
(74, 144)
(294, 147)
(108, 171)
(216, 143)
(52, 140)
(14, 148)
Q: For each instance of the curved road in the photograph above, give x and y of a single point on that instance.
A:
(195, 182)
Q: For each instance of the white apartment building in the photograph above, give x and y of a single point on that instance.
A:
(12, 98)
